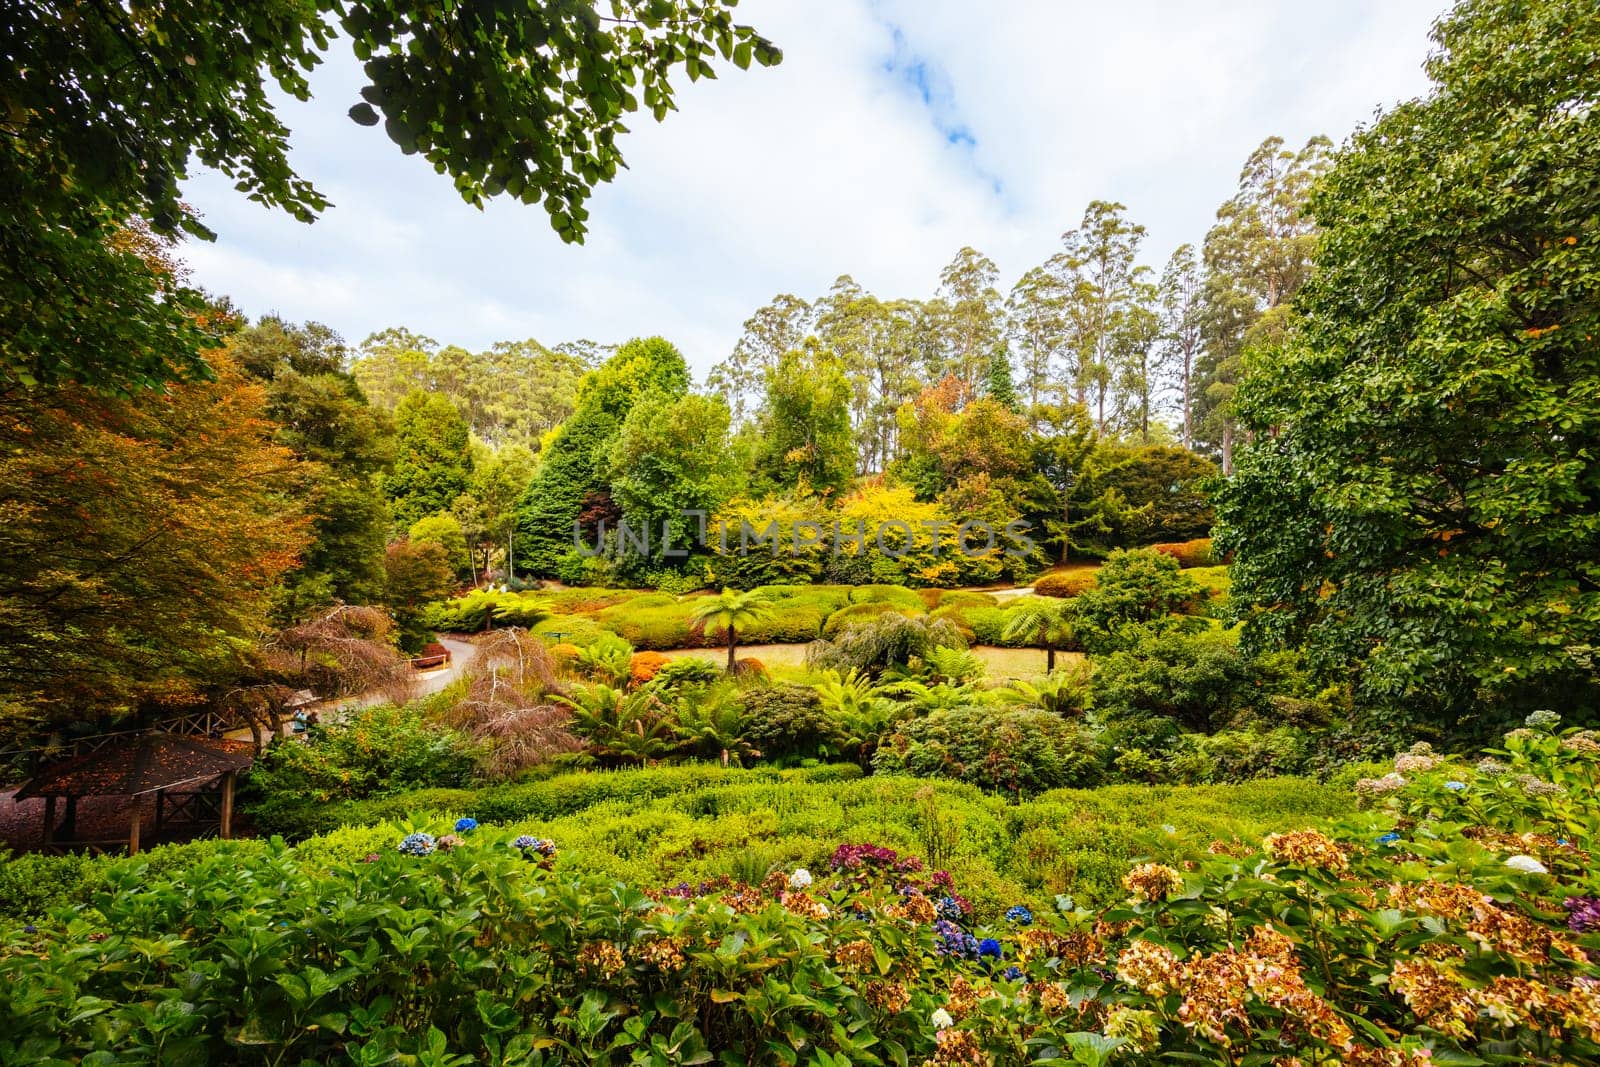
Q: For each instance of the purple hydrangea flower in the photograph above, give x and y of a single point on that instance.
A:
(951, 940)
(531, 846)
(1584, 913)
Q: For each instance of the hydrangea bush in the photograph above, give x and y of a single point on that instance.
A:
(1452, 922)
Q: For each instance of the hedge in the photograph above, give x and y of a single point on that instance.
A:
(1196, 553)
(1065, 583)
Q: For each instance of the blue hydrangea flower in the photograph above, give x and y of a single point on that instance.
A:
(417, 844)
(949, 908)
(1389, 838)
(1019, 913)
(989, 947)
(466, 825)
(1455, 787)
(524, 842)
(951, 940)
(1012, 973)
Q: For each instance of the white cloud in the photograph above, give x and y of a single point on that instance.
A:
(893, 133)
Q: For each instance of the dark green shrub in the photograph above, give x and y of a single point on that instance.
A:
(1018, 751)
(1196, 682)
(786, 723)
(33, 884)
(686, 671)
(1131, 589)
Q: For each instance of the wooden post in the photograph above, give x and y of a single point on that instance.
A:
(161, 804)
(227, 805)
(133, 827)
(69, 828)
(49, 820)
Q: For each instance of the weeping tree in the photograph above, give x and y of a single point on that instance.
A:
(888, 642)
(342, 650)
(511, 703)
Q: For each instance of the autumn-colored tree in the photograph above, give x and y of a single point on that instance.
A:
(417, 573)
(141, 541)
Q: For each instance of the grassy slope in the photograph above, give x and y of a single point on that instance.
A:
(742, 824)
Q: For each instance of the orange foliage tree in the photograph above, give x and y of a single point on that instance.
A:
(141, 539)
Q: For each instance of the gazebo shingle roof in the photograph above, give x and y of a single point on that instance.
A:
(141, 765)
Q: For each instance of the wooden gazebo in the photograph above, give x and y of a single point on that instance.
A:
(192, 778)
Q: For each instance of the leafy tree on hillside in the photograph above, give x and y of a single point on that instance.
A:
(1419, 505)
(1182, 309)
(670, 456)
(143, 542)
(968, 317)
(572, 466)
(512, 394)
(1161, 490)
(876, 341)
(432, 461)
(805, 423)
(1257, 257)
(1036, 325)
(416, 575)
(345, 448)
(100, 127)
(775, 328)
(444, 529)
(488, 509)
(1102, 282)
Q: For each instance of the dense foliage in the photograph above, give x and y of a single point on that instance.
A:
(1418, 508)
(1449, 925)
(98, 132)
(153, 583)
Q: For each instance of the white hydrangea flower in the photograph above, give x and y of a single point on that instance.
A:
(1526, 864)
(941, 1019)
(800, 879)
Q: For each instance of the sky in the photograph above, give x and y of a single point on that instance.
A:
(894, 133)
